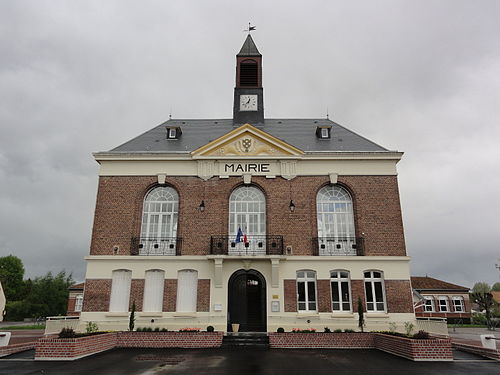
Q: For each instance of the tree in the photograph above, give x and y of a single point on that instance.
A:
(361, 320)
(11, 276)
(481, 294)
(131, 322)
(496, 287)
(49, 295)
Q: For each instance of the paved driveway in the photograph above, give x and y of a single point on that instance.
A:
(242, 362)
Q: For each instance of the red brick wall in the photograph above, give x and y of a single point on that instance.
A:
(68, 349)
(203, 297)
(358, 290)
(399, 296)
(376, 208)
(97, 295)
(136, 294)
(170, 339)
(324, 296)
(290, 297)
(71, 306)
(417, 350)
(170, 295)
(332, 340)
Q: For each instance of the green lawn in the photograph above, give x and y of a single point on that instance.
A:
(33, 326)
(466, 326)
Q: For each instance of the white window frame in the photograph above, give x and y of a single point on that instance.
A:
(247, 210)
(431, 305)
(306, 279)
(160, 216)
(120, 291)
(372, 281)
(446, 299)
(461, 304)
(79, 303)
(154, 284)
(324, 133)
(335, 219)
(172, 133)
(187, 291)
(342, 276)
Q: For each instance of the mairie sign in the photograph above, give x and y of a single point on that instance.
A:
(237, 168)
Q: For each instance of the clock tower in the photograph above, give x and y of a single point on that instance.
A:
(248, 93)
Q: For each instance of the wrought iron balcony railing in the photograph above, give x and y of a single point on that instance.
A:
(255, 245)
(338, 246)
(156, 246)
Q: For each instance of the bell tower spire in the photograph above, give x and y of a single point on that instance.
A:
(248, 93)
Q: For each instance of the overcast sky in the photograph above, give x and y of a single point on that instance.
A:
(421, 77)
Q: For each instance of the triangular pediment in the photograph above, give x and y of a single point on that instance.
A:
(247, 140)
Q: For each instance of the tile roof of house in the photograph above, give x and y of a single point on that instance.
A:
(77, 286)
(430, 283)
(496, 296)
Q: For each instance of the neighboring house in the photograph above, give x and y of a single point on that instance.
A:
(75, 299)
(3, 302)
(496, 296)
(441, 299)
(262, 222)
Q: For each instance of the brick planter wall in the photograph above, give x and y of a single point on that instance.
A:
(289, 340)
(70, 349)
(435, 349)
(16, 348)
(479, 350)
(169, 339)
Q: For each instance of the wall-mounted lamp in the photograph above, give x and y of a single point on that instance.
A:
(202, 206)
(292, 206)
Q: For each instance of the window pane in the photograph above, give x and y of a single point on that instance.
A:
(311, 275)
(367, 274)
(335, 292)
(377, 275)
(300, 274)
(369, 306)
(312, 306)
(378, 292)
(346, 306)
(302, 305)
(368, 291)
(336, 306)
(311, 290)
(301, 291)
(344, 275)
(345, 291)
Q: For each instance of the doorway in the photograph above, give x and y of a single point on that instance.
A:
(247, 301)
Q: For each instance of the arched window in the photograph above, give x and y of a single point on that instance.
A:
(374, 291)
(247, 221)
(335, 221)
(306, 291)
(159, 222)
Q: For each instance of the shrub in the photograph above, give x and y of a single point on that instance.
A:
(210, 329)
(148, 329)
(409, 328)
(157, 329)
(338, 330)
(327, 330)
(138, 329)
(421, 335)
(164, 330)
(392, 327)
(280, 330)
(304, 330)
(67, 333)
(91, 327)
(478, 318)
(348, 330)
(131, 322)
(187, 329)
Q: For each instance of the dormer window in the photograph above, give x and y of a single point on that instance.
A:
(323, 132)
(173, 132)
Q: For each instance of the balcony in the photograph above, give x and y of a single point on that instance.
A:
(256, 245)
(156, 246)
(337, 246)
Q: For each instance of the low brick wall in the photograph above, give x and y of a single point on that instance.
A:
(435, 349)
(479, 350)
(16, 348)
(169, 339)
(70, 349)
(289, 340)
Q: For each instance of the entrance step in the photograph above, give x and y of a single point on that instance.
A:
(246, 340)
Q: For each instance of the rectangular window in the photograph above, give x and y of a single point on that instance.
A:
(443, 304)
(341, 291)
(187, 290)
(324, 133)
(78, 303)
(172, 133)
(429, 304)
(120, 291)
(458, 304)
(306, 290)
(153, 291)
(374, 291)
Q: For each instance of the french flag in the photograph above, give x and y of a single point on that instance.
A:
(239, 235)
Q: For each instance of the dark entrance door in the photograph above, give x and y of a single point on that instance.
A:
(247, 301)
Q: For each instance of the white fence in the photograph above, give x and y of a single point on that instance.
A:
(435, 326)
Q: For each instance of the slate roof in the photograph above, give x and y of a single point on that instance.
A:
(300, 133)
(249, 48)
(78, 286)
(429, 283)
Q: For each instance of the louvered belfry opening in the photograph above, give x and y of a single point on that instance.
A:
(249, 73)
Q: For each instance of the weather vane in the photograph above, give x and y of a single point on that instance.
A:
(250, 28)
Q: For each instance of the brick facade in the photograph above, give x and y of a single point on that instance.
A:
(399, 296)
(324, 296)
(170, 295)
(376, 210)
(97, 295)
(136, 293)
(203, 296)
(290, 298)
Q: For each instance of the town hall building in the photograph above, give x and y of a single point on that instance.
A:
(260, 222)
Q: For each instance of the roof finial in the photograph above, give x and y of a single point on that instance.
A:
(327, 114)
(250, 28)
(170, 114)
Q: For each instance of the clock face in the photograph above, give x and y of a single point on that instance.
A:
(248, 102)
